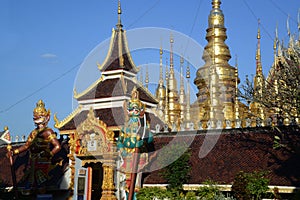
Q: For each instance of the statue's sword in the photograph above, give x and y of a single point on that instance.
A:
(13, 172)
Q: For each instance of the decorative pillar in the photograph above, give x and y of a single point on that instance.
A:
(108, 187)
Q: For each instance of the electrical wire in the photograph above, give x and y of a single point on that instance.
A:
(282, 11)
(193, 25)
(40, 89)
(145, 13)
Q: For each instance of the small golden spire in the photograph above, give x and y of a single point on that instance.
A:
(258, 54)
(182, 97)
(188, 71)
(188, 99)
(171, 53)
(216, 4)
(119, 24)
(236, 76)
(259, 77)
(167, 94)
(147, 77)
(161, 78)
(181, 72)
(258, 30)
(236, 89)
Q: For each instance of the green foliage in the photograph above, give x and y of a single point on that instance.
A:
(177, 172)
(250, 185)
(190, 195)
(211, 192)
(152, 192)
(208, 192)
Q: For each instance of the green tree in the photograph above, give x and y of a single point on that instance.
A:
(248, 186)
(177, 173)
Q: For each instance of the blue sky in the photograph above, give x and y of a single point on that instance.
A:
(43, 43)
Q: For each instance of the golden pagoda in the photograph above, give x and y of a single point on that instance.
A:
(215, 80)
(256, 108)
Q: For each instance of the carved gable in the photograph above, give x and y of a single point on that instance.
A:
(93, 137)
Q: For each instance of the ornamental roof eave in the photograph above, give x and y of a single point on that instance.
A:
(59, 124)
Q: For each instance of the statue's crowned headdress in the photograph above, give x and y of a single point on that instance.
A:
(40, 109)
(135, 99)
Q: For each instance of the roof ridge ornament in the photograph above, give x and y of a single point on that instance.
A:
(119, 24)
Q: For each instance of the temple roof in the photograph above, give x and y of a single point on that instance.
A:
(118, 56)
(115, 87)
(112, 117)
(238, 150)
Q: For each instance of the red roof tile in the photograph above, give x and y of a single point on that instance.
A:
(239, 150)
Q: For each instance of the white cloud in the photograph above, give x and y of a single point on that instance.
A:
(48, 55)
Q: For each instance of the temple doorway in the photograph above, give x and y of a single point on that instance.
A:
(97, 179)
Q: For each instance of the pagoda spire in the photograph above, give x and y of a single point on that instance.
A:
(188, 101)
(161, 90)
(258, 52)
(216, 56)
(236, 100)
(119, 24)
(174, 106)
(167, 119)
(182, 92)
(259, 77)
(161, 76)
(147, 77)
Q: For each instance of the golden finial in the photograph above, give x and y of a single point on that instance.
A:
(40, 109)
(119, 25)
(188, 73)
(257, 57)
(171, 38)
(161, 78)
(236, 73)
(216, 3)
(5, 128)
(181, 72)
(119, 8)
(147, 77)
(167, 71)
(171, 52)
(258, 54)
(258, 30)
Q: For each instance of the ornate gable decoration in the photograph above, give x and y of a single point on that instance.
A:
(93, 137)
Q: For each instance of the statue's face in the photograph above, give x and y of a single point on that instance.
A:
(134, 109)
(40, 120)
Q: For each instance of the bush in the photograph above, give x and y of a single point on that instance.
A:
(250, 185)
(153, 192)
